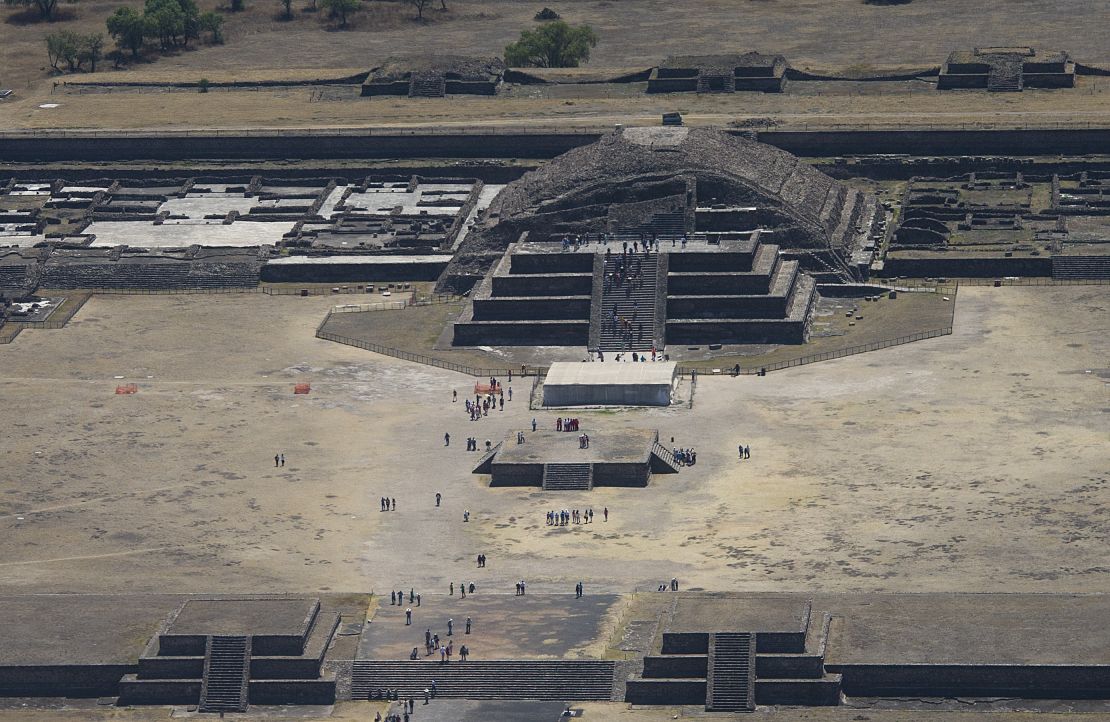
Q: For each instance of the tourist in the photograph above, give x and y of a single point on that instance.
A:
(438, 497)
(276, 459)
(747, 452)
(605, 514)
(392, 598)
(447, 439)
(466, 515)
(283, 460)
(468, 625)
(450, 627)
(533, 424)
(464, 652)
(452, 589)
(454, 395)
(408, 617)
(394, 504)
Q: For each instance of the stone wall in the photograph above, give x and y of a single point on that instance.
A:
(957, 266)
(985, 680)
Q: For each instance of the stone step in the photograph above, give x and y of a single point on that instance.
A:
(226, 671)
(560, 680)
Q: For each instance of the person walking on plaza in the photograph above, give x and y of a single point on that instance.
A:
(468, 625)
(283, 461)
(408, 617)
(447, 439)
(450, 627)
(454, 395)
(276, 459)
(438, 497)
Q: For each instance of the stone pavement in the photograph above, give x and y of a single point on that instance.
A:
(504, 626)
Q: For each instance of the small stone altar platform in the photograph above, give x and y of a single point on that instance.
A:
(609, 384)
(555, 461)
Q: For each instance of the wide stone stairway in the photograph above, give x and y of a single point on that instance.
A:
(558, 680)
(567, 477)
(632, 299)
(731, 676)
(226, 674)
(1006, 75)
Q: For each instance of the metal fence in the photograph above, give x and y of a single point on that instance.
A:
(10, 330)
(417, 357)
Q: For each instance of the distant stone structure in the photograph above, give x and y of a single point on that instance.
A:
(718, 210)
(719, 74)
(435, 76)
(1007, 69)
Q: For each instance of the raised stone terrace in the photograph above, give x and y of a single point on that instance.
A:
(614, 296)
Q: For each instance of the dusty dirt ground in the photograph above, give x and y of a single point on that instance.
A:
(821, 35)
(972, 462)
(845, 106)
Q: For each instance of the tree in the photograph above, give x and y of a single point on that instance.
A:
(91, 49)
(288, 5)
(164, 20)
(552, 45)
(212, 22)
(45, 7)
(68, 47)
(127, 27)
(341, 9)
(420, 5)
(55, 48)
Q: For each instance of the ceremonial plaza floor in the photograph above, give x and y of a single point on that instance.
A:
(971, 463)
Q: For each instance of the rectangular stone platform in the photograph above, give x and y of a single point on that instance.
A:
(616, 458)
(599, 384)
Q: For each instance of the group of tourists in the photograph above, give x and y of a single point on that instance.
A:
(573, 516)
(481, 405)
(562, 424)
(521, 587)
(745, 451)
(472, 443)
(583, 441)
(388, 504)
(673, 586)
(685, 457)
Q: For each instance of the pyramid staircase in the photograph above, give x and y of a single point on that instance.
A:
(716, 82)
(567, 477)
(1006, 75)
(730, 683)
(427, 85)
(630, 299)
(556, 680)
(226, 674)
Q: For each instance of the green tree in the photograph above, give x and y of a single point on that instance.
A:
(126, 26)
(164, 20)
(90, 49)
(552, 45)
(55, 49)
(212, 22)
(341, 9)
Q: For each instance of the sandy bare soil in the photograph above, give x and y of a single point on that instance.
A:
(973, 462)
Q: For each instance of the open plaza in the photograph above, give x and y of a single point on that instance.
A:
(738, 359)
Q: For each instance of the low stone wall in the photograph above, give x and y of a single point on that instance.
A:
(397, 87)
(727, 307)
(90, 680)
(352, 272)
(695, 284)
(621, 474)
(516, 474)
(298, 691)
(544, 263)
(524, 333)
(986, 680)
(557, 284)
(712, 261)
(789, 666)
(170, 691)
(808, 692)
(665, 691)
(672, 85)
(692, 666)
(958, 267)
(523, 309)
(689, 331)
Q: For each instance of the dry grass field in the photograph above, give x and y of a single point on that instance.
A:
(832, 35)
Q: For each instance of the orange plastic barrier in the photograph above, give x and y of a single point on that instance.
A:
(127, 389)
(487, 389)
(302, 388)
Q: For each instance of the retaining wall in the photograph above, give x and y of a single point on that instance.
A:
(986, 680)
(958, 267)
